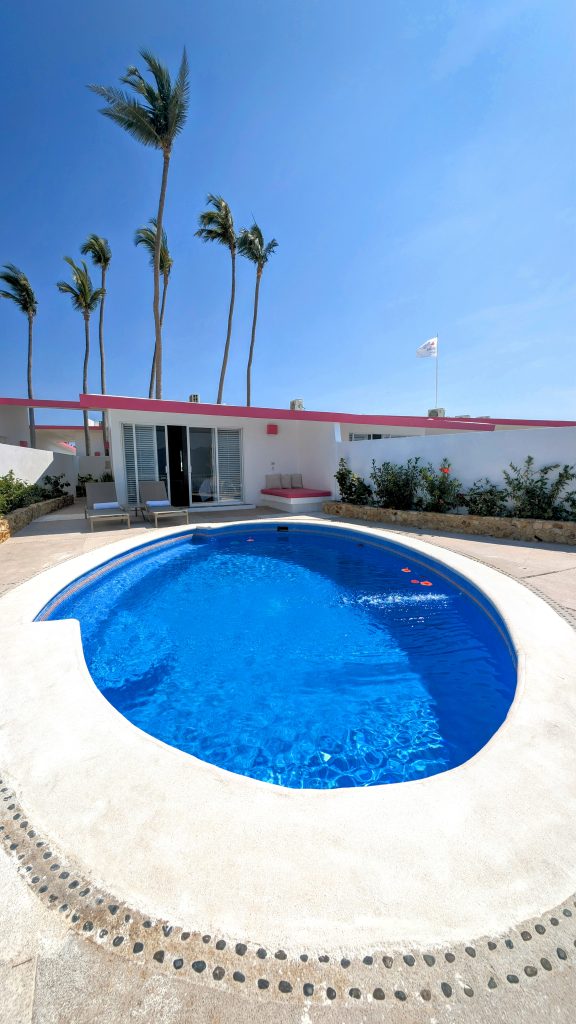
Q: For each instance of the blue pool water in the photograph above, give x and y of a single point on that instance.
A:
(305, 657)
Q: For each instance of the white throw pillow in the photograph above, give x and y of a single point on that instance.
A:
(158, 504)
(286, 480)
(106, 504)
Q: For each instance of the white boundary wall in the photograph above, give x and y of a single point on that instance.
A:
(31, 464)
(472, 455)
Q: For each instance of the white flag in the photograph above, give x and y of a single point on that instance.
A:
(429, 348)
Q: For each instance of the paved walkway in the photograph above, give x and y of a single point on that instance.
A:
(51, 975)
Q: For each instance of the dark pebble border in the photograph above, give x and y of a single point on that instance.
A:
(533, 949)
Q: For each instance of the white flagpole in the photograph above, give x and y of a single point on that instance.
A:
(437, 354)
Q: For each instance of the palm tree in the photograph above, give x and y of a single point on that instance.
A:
(85, 298)
(217, 225)
(21, 293)
(146, 236)
(99, 249)
(251, 245)
(154, 122)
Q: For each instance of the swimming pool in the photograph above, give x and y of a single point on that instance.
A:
(305, 656)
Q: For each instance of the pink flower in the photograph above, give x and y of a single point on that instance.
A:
(444, 469)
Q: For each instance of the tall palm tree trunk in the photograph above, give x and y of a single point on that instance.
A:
(153, 370)
(230, 315)
(102, 358)
(157, 320)
(253, 338)
(85, 381)
(31, 419)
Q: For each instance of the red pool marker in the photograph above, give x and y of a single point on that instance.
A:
(405, 570)
(250, 540)
(425, 583)
(414, 581)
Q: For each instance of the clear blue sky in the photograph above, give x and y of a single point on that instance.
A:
(415, 161)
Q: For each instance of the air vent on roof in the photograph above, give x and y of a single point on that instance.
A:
(297, 404)
(194, 398)
(436, 413)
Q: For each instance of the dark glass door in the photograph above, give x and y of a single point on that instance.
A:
(178, 466)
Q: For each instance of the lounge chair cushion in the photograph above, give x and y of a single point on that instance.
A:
(286, 480)
(295, 492)
(273, 480)
(296, 480)
(106, 504)
(158, 504)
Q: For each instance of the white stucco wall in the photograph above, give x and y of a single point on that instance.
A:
(31, 464)
(298, 447)
(51, 440)
(472, 455)
(14, 424)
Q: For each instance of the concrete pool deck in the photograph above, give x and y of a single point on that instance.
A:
(365, 937)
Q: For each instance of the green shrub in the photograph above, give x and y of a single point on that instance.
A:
(16, 493)
(485, 499)
(107, 478)
(443, 492)
(81, 484)
(536, 494)
(54, 486)
(353, 489)
(397, 486)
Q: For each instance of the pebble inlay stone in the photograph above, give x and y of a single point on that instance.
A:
(508, 943)
(118, 940)
(368, 960)
(159, 956)
(566, 912)
(178, 963)
(492, 983)
(539, 928)
(241, 948)
(147, 924)
(400, 995)
(512, 978)
(238, 976)
(262, 983)
(199, 966)
(378, 993)
(324, 959)
(261, 953)
(354, 992)
(387, 961)
(218, 973)
(205, 938)
(426, 994)
(331, 993)
(280, 955)
(409, 960)
(561, 953)
(87, 926)
(546, 964)
(470, 950)
(221, 944)
(344, 962)
(449, 957)
(526, 936)
(285, 986)
(446, 989)
(554, 921)
(429, 959)
(308, 989)
(530, 971)
(185, 936)
(137, 947)
(468, 991)
(304, 957)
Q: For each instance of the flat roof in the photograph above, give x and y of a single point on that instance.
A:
(155, 405)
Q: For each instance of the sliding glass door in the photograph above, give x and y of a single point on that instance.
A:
(203, 485)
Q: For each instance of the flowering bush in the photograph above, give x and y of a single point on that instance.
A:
(538, 494)
(353, 489)
(397, 486)
(444, 492)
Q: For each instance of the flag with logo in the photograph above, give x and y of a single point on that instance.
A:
(428, 349)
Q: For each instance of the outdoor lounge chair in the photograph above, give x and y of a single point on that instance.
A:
(155, 501)
(102, 503)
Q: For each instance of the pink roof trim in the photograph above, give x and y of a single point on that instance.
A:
(523, 423)
(40, 403)
(241, 411)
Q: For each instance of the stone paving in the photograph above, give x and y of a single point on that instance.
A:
(49, 972)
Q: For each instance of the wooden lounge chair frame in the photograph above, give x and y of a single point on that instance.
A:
(103, 492)
(155, 490)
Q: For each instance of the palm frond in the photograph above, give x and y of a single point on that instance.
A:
(250, 244)
(84, 296)
(20, 290)
(162, 115)
(99, 249)
(146, 236)
(217, 224)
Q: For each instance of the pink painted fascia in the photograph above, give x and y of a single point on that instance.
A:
(523, 423)
(242, 411)
(40, 403)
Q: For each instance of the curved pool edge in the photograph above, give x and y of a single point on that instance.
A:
(124, 791)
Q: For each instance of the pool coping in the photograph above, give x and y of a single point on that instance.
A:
(496, 837)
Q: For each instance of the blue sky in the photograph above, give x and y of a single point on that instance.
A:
(416, 163)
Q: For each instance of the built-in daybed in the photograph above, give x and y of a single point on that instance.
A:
(286, 491)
